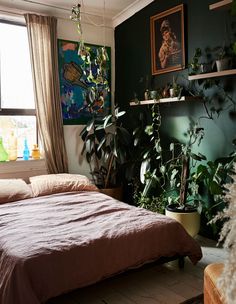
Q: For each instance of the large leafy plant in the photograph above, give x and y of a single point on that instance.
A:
(166, 170)
(106, 147)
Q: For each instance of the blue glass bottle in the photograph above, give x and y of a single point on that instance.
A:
(26, 152)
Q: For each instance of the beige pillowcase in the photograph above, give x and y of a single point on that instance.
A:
(14, 190)
(57, 183)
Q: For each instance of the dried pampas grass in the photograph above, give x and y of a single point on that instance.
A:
(227, 281)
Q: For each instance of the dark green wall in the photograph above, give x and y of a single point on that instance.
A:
(133, 62)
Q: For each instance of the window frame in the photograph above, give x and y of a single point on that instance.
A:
(17, 111)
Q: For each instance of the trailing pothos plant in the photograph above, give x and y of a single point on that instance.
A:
(106, 147)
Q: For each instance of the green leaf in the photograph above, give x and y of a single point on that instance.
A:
(146, 154)
(84, 134)
(215, 188)
(88, 157)
(101, 143)
(98, 152)
(136, 131)
(136, 141)
(124, 135)
(145, 167)
(100, 127)
(90, 125)
(195, 156)
(203, 157)
(162, 169)
(119, 114)
(106, 120)
(121, 156)
(84, 130)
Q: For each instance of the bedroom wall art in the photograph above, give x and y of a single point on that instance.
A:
(167, 40)
(85, 82)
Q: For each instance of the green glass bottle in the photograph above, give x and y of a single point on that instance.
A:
(3, 153)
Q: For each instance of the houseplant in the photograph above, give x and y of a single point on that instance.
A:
(106, 146)
(168, 174)
(223, 58)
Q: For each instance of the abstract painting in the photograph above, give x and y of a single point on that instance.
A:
(85, 82)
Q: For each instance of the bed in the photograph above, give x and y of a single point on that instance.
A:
(53, 243)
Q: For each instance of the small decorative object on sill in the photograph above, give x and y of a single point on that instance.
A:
(35, 152)
(12, 147)
(26, 152)
(172, 93)
(146, 95)
(153, 94)
(165, 92)
(3, 153)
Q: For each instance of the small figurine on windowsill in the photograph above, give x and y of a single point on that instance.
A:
(35, 152)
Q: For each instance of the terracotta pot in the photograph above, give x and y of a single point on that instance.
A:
(116, 193)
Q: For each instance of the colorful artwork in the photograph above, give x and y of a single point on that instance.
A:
(84, 82)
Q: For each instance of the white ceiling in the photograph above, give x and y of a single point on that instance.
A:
(113, 8)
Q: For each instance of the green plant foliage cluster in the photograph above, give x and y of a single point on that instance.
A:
(106, 147)
(161, 167)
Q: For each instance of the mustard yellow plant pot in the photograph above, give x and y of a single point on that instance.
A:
(189, 220)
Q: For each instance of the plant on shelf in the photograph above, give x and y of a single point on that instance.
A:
(175, 89)
(194, 65)
(106, 147)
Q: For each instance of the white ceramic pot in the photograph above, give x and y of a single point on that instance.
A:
(222, 64)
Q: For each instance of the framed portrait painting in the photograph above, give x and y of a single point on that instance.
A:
(167, 40)
(84, 86)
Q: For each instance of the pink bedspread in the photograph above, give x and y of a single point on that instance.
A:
(53, 244)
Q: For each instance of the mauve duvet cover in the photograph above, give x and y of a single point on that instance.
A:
(53, 244)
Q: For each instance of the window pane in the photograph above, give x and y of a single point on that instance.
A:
(15, 70)
(23, 127)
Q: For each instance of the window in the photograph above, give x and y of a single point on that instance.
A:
(17, 108)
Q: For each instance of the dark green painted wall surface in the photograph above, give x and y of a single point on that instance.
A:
(133, 62)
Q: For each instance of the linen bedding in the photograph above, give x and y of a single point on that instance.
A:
(53, 244)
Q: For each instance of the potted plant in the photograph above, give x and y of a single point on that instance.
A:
(165, 174)
(180, 181)
(106, 147)
(175, 89)
(223, 58)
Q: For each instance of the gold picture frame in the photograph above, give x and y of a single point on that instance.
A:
(167, 40)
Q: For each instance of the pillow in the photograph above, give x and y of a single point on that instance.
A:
(57, 183)
(13, 190)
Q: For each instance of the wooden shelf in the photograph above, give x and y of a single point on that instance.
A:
(163, 100)
(213, 74)
(225, 4)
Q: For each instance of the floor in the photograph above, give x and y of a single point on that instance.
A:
(153, 284)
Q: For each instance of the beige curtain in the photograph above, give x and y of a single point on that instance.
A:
(42, 33)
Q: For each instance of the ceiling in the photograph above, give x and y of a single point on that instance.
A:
(113, 8)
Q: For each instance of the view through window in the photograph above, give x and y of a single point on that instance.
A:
(17, 108)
